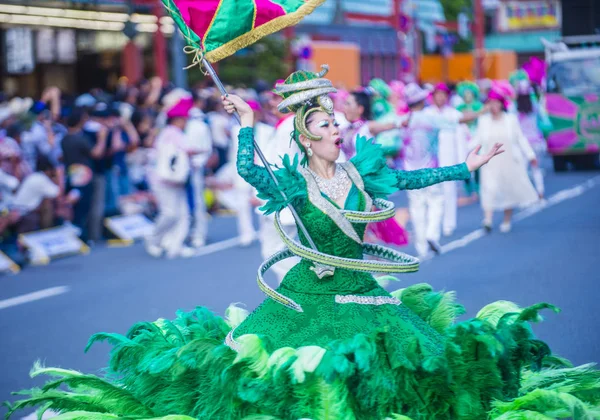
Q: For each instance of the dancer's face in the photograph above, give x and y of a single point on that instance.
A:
(440, 98)
(324, 125)
(352, 110)
(469, 97)
(496, 107)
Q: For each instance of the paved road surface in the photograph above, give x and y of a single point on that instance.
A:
(551, 256)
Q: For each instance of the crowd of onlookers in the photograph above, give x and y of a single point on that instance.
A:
(79, 159)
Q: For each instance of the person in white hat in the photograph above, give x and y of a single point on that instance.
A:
(169, 180)
(199, 137)
(452, 149)
(420, 136)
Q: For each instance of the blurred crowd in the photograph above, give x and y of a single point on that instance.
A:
(170, 154)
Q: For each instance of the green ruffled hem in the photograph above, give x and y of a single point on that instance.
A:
(492, 367)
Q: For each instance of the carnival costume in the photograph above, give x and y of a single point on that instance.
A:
(472, 104)
(531, 122)
(383, 111)
(330, 343)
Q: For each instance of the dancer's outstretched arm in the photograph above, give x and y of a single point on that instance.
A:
(414, 180)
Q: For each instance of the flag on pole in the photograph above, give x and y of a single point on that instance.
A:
(218, 28)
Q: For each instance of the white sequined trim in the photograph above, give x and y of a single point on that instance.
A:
(367, 300)
(320, 202)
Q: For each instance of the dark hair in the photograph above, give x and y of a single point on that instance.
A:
(524, 104)
(138, 116)
(114, 110)
(211, 105)
(196, 95)
(363, 99)
(43, 164)
(416, 104)
(74, 119)
(14, 130)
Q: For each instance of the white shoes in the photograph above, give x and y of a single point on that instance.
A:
(185, 252)
(153, 250)
(246, 240)
(198, 243)
(505, 227)
(448, 232)
(158, 251)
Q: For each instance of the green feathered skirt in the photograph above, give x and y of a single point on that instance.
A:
(487, 367)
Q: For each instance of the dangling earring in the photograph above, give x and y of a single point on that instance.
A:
(309, 151)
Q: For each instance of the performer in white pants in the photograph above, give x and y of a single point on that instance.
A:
(451, 151)
(169, 178)
(198, 137)
(420, 135)
(426, 207)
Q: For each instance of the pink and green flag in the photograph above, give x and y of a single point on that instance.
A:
(219, 28)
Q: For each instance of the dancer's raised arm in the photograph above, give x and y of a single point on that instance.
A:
(254, 174)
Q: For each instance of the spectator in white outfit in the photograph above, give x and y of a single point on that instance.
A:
(426, 206)
(451, 151)
(37, 187)
(8, 184)
(169, 180)
(199, 138)
(505, 183)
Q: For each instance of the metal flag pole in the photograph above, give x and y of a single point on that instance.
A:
(211, 72)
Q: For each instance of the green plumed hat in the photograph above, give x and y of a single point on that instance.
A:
(468, 86)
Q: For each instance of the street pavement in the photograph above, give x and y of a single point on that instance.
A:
(552, 255)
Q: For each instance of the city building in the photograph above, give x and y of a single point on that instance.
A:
(519, 26)
(82, 44)
(79, 44)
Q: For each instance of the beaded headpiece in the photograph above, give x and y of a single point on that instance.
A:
(304, 93)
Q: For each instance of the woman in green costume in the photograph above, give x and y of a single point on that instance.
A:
(330, 343)
(469, 92)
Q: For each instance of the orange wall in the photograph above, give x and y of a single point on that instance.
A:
(496, 65)
(501, 64)
(343, 59)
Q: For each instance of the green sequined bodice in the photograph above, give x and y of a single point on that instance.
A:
(308, 309)
(330, 231)
(332, 240)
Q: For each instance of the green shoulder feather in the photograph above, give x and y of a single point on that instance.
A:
(370, 163)
(291, 182)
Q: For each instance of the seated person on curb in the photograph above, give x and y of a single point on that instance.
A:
(33, 202)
